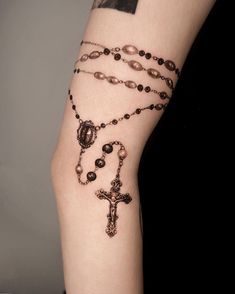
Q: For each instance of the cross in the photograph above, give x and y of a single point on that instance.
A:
(113, 197)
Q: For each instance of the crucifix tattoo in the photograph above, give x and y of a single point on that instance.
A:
(86, 135)
(113, 197)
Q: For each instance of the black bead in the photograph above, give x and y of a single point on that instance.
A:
(69, 91)
(100, 162)
(127, 116)
(106, 51)
(71, 97)
(170, 65)
(158, 106)
(77, 116)
(117, 56)
(147, 89)
(170, 83)
(148, 55)
(140, 87)
(163, 95)
(73, 107)
(177, 71)
(74, 71)
(160, 61)
(78, 70)
(114, 121)
(151, 106)
(141, 53)
(81, 43)
(103, 125)
(91, 176)
(107, 148)
(138, 111)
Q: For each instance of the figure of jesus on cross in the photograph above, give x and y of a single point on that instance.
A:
(113, 197)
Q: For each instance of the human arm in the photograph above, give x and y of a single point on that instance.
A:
(93, 262)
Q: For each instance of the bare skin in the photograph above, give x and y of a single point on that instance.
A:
(94, 262)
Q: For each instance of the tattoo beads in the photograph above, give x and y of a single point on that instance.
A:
(129, 49)
(87, 130)
(135, 65)
(107, 148)
(122, 153)
(100, 162)
(78, 169)
(91, 176)
(129, 84)
(133, 50)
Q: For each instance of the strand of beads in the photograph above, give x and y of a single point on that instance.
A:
(133, 64)
(133, 50)
(100, 162)
(126, 116)
(129, 84)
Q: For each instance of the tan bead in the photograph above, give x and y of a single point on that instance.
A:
(135, 65)
(122, 154)
(129, 49)
(130, 84)
(79, 169)
(94, 54)
(84, 57)
(153, 73)
(112, 80)
(99, 75)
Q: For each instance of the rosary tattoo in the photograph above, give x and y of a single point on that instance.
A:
(88, 131)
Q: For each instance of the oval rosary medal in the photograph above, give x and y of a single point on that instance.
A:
(86, 134)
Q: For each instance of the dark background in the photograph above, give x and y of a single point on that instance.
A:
(180, 168)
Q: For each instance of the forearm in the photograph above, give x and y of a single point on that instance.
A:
(93, 261)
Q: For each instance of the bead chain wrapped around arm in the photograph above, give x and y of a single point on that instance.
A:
(87, 131)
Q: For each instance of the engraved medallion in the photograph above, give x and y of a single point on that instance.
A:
(86, 134)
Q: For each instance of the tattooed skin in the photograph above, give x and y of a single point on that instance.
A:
(88, 131)
(122, 5)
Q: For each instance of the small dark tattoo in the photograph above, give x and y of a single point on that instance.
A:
(122, 5)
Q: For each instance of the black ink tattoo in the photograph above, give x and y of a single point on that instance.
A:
(113, 197)
(130, 50)
(133, 64)
(122, 5)
(86, 137)
(113, 80)
(88, 131)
